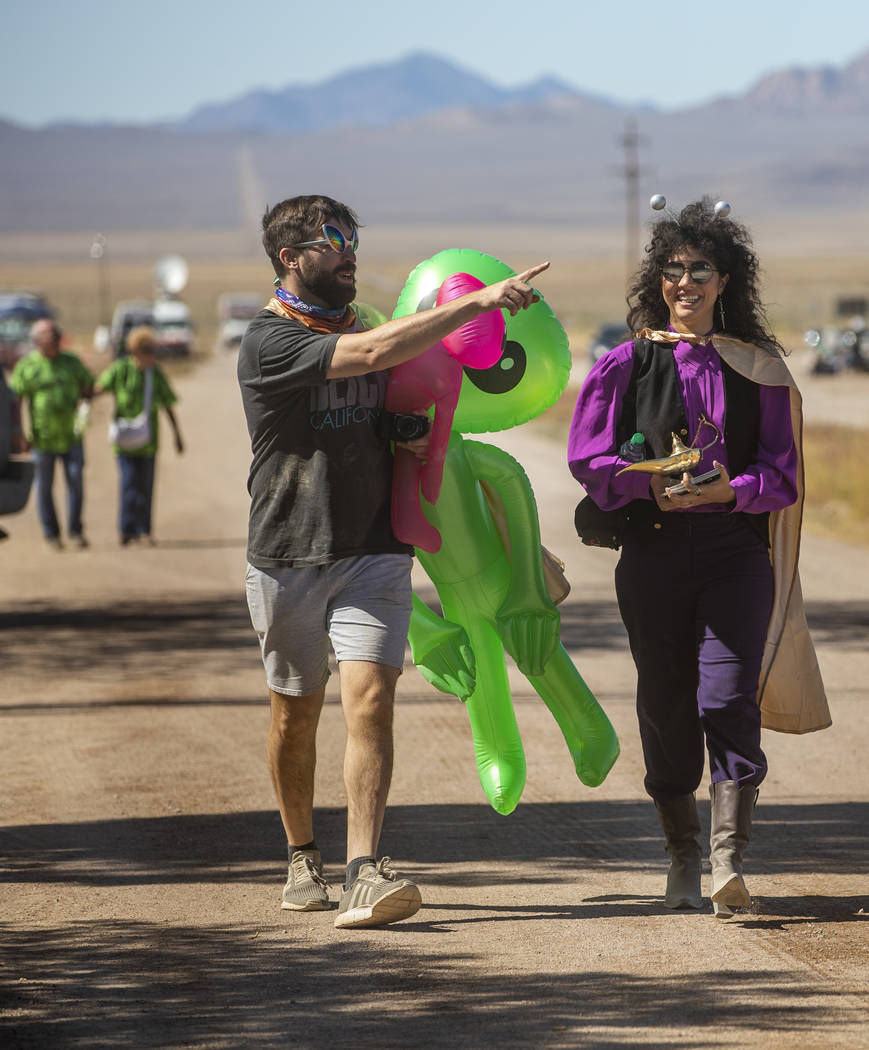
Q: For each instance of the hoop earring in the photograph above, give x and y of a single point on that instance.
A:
(277, 282)
(721, 308)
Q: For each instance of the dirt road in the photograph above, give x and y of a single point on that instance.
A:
(143, 859)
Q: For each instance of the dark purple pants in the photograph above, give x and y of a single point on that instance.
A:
(695, 595)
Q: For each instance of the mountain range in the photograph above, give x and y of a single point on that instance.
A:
(422, 83)
(412, 87)
(423, 140)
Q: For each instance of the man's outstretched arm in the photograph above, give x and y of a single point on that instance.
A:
(406, 337)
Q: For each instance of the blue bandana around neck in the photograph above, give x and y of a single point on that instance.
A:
(308, 308)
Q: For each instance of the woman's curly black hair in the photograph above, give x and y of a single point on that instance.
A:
(727, 245)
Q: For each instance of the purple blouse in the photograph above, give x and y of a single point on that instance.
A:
(768, 484)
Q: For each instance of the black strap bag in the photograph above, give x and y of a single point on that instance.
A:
(599, 528)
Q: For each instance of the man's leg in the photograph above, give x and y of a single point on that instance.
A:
(292, 755)
(73, 468)
(287, 611)
(138, 496)
(374, 894)
(367, 696)
(44, 499)
(147, 468)
(368, 628)
(127, 497)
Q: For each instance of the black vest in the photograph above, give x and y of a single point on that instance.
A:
(653, 406)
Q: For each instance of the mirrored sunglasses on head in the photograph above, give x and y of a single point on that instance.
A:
(334, 238)
(700, 272)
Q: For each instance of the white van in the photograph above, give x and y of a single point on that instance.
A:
(174, 327)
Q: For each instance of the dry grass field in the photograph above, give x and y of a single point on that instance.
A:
(802, 280)
(836, 466)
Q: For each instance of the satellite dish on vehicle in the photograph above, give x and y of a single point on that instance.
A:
(170, 274)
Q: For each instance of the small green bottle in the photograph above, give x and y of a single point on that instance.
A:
(634, 450)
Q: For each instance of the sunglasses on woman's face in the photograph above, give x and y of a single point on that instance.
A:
(334, 238)
(699, 272)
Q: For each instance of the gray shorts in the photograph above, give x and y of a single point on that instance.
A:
(361, 605)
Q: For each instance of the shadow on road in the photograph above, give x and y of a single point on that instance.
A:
(126, 634)
(597, 625)
(828, 838)
(91, 634)
(838, 623)
(141, 985)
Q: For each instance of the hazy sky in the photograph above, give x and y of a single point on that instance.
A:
(138, 61)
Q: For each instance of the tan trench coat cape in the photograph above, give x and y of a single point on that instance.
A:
(791, 693)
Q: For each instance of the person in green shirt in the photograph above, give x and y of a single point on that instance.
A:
(53, 383)
(130, 378)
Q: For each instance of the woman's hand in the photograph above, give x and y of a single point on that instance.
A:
(658, 487)
(717, 491)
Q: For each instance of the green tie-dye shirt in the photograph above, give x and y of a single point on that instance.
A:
(127, 383)
(53, 387)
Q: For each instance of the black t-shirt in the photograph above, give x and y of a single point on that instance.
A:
(321, 477)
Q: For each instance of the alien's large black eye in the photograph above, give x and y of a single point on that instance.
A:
(428, 301)
(504, 375)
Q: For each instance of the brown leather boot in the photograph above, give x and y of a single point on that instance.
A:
(732, 807)
(682, 831)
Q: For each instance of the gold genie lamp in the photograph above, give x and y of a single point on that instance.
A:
(683, 458)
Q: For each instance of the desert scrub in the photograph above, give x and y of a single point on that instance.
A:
(837, 481)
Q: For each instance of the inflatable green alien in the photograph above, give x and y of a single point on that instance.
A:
(488, 571)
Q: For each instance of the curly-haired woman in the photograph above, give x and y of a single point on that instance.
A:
(707, 580)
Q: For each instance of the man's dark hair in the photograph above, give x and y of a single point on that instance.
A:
(299, 219)
(727, 245)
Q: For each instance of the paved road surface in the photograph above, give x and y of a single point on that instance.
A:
(142, 857)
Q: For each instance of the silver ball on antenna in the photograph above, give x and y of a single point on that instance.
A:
(722, 210)
(658, 202)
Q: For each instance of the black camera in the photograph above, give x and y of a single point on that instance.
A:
(403, 426)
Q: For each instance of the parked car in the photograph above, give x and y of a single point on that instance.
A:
(606, 337)
(128, 314)
(18, 311)
(174, 327)
(235, 311)
(845, 344)
(838, 348)
(16, 471)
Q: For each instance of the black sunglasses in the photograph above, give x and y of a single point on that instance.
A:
(700, 272)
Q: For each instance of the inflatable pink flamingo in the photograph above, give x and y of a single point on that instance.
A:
(434, 379)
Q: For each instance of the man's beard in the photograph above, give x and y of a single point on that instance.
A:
(325, 287)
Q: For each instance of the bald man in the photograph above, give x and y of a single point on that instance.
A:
(53, 382)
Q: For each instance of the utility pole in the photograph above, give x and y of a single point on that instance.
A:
(98, 254)
(631, 171)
